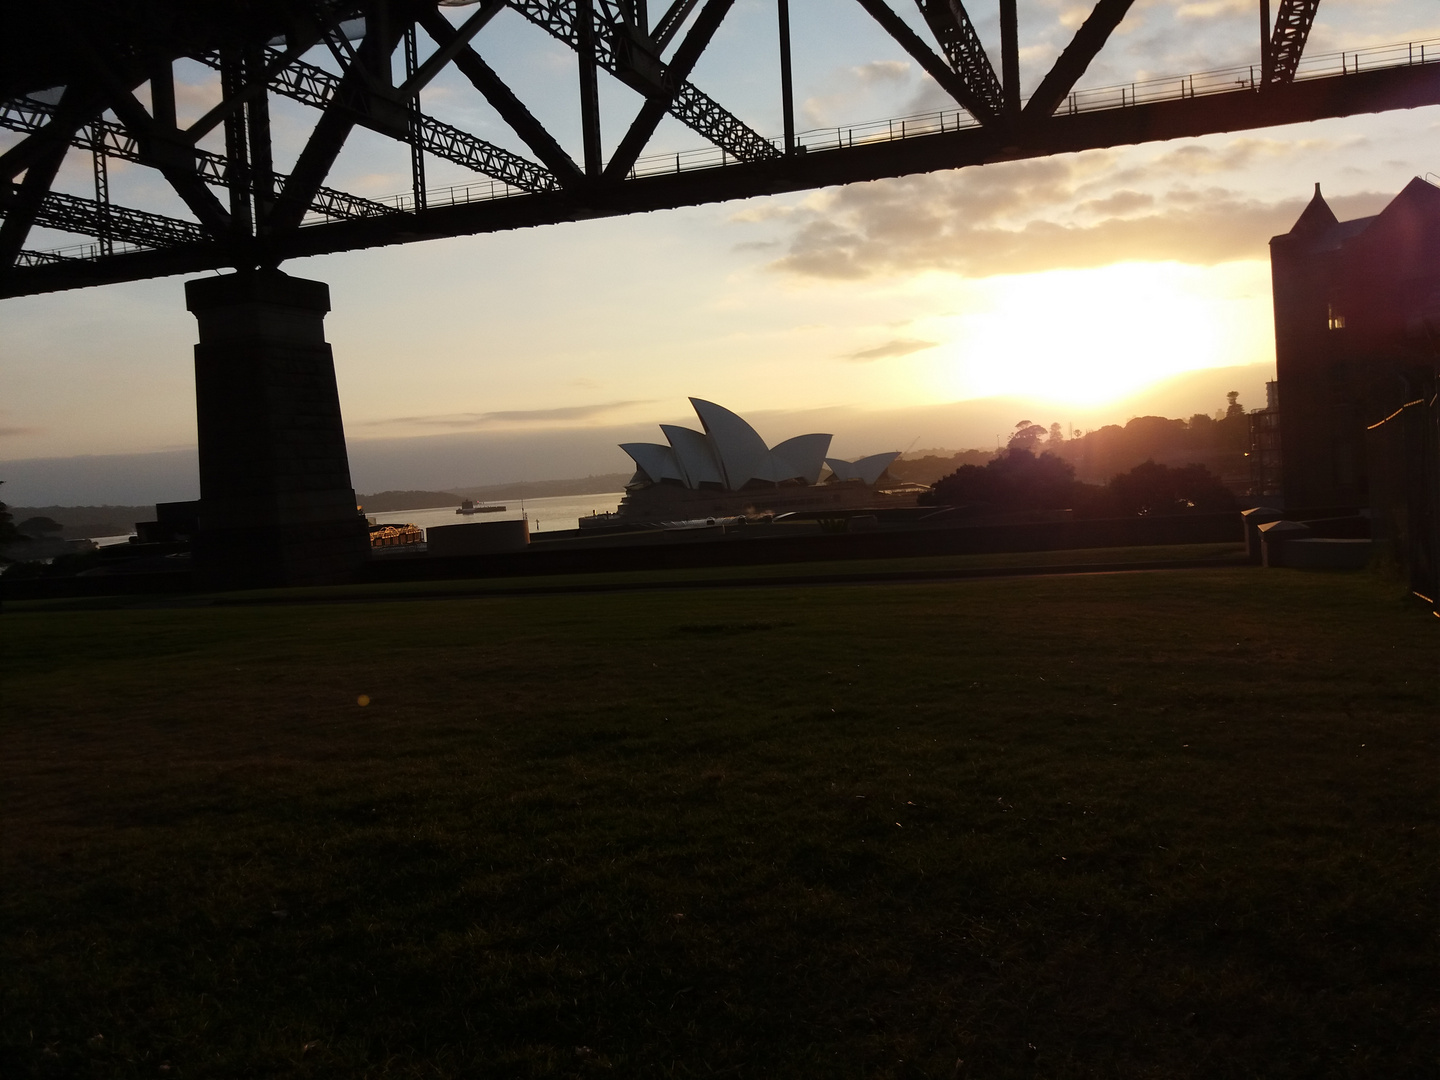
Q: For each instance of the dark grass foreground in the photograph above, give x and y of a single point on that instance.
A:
(1150, 825)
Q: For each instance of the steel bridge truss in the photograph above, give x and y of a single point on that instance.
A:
(70, 84)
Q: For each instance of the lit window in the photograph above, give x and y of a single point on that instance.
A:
(1336, 320)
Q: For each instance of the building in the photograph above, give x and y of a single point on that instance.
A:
(1357, 326)
(1263, 456)
(727, 468)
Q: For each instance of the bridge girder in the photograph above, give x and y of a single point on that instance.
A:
(66, 89)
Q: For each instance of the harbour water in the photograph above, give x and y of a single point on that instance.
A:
(551, 514)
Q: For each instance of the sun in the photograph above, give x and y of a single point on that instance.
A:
(1087, 337)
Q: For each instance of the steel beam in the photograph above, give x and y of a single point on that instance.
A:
(1010, 59)
(1287, 45)
(161, 145)
(670, 23)
(511, 109)
(674, 76)
(1088, 41)
(950, 23)
(585, 49)
(952, 82)
(89, 217)
(320, 89)
(787, 82)
(691, 106)
(22, 204)
(111, 139)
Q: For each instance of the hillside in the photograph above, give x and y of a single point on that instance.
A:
(539, 489)
(81, 522)
(384, 502)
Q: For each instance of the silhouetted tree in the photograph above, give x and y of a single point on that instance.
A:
(8, 533)
(1219, 442)
(1016, 480)
(37, 527)
(1027, 435)
(1158, 489)
(931, 467)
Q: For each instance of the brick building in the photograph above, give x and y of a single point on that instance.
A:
(1357, 335)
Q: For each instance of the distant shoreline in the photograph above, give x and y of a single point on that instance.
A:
(602, 484)
(389, 502)
(83, 522)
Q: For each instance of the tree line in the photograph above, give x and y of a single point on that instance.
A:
(1040, 469)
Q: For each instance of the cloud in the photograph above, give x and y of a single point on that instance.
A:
(881, 71)
(822, 110)
(1031, 216)
(472, 421)
(1120, 203)
(897, 347)
(9, 432)
(1212, 9)
(1220, 232)
(761, 211)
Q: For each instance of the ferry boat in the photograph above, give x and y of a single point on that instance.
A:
(469, 507)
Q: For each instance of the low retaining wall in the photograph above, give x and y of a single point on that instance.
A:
(711, 547)
(738, 547)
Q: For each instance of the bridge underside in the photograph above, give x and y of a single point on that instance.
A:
(1365, 92)
(97, 77)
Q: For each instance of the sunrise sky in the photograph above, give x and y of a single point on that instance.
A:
(1069, 284)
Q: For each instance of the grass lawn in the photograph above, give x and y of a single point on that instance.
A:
(1162, 824)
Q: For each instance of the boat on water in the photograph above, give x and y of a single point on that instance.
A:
(469, 507)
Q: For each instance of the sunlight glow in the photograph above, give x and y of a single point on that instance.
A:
(1087, 337)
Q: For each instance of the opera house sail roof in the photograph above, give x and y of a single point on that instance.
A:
(729, 454)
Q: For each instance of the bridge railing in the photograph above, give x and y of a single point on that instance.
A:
(1246, 77)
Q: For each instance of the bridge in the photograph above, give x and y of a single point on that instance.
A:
(71, 74)
(96, 78)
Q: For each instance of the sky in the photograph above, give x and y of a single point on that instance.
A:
(925, 311)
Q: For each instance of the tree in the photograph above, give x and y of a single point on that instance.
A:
(1057, 437)
(38, 527)
(1015, 480)
(1027, 436)
(8, 533)
(1151, 489)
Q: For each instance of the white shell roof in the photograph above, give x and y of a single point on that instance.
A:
(729, 452)
(743, 454)
(867, 469)
(696, 455)
(802, 456)
(655, 460)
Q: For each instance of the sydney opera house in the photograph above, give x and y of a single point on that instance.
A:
(727, 468)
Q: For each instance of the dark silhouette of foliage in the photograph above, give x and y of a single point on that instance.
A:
(1138, 460)
(37, 527)
(1159, 489)
(66, 564)
(1027, 436)
(1219, 442)
(931, 467)
(1016, 480)
(9, 534)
